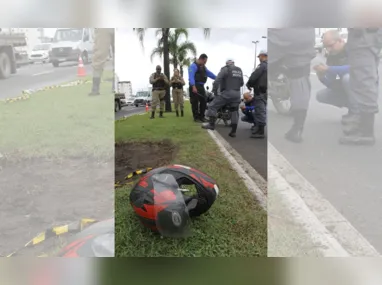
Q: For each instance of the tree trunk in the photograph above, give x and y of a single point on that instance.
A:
(181, 70)
(166, 66)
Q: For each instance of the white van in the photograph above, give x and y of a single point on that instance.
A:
(142, 98)
(71, 43)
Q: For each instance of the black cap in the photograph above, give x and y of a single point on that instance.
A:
(203, 56)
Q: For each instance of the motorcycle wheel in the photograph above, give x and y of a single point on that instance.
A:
(282, 107)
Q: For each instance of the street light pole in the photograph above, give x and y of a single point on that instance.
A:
(256, 42)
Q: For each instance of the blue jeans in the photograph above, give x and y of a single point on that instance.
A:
(248, 117)
(339, 96)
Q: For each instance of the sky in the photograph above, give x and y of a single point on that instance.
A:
(132, 62)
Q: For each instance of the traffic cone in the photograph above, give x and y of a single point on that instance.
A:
(147, 107)
(81, 69)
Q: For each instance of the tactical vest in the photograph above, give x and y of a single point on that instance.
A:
(177, 85)
(200, 74)
(160, 84)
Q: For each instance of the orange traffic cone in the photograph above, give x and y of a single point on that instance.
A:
(81, 69)
(147, 107)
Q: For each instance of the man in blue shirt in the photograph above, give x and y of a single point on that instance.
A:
(197, 76)
(335, 75)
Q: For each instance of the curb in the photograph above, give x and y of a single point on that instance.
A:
(256, 185)
(26, 94)
(54, 232)
(323, 223)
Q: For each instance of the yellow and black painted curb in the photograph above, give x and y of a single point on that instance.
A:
(131, 176)
(26, 93)
(55, 232)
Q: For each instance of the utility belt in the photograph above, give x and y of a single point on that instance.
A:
(178, 88)
(158, 89)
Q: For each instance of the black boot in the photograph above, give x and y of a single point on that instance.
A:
(152, 115)
(350, 124)
(232, 134)
(181, 113)
(95, 86)
(258, 133)
(348, 118)
(295, 133)
(161, 114)
(363, 134)
(210, 125)
(177, 113)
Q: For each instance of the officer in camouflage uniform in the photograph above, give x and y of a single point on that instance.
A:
(363, 49)
(103, 40)
(230, 80)
(177, 83)
(159, 82)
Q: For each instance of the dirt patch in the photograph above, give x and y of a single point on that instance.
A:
(131, 156)
(36, 194)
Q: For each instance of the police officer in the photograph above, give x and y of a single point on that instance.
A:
(177, 83)
(258, 82)
(292, 50)
(103, 40)
(197, 76)
(230, 80)
(159, 82)
(363, 48)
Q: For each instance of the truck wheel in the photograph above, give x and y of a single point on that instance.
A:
(117, 106)
(55, 63)
(5, 65)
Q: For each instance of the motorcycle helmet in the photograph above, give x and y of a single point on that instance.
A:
(95, 241)
(165, 208)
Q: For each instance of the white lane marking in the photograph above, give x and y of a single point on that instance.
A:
(316, 214)
(237, 164)
(43, 72)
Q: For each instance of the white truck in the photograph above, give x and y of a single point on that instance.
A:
(70, 44)
(8, 54)
(125, 87)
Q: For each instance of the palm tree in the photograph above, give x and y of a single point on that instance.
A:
(177, 50)
(164, 38)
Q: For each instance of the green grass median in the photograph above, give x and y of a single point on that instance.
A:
(235, 225)
(58, 122)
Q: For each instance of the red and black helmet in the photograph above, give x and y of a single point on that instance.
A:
(148, 203)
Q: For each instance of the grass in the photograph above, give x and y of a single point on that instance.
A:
(59, 122)
(235, 225)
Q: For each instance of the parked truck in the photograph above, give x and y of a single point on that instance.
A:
(8, 43)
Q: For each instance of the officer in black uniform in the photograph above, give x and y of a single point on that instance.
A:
(292, 50)
(363, 48)
(197, 76)
(259, 82)
(230, 80)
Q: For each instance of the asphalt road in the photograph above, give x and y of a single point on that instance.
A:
(128, 111)
(37, 76)
(254, 151)
(348, 177)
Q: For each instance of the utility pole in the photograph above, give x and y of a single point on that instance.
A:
(256, 42)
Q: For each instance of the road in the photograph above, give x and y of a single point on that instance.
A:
(37, 76)
(128, 111)
(254, 151)
(348, 177)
